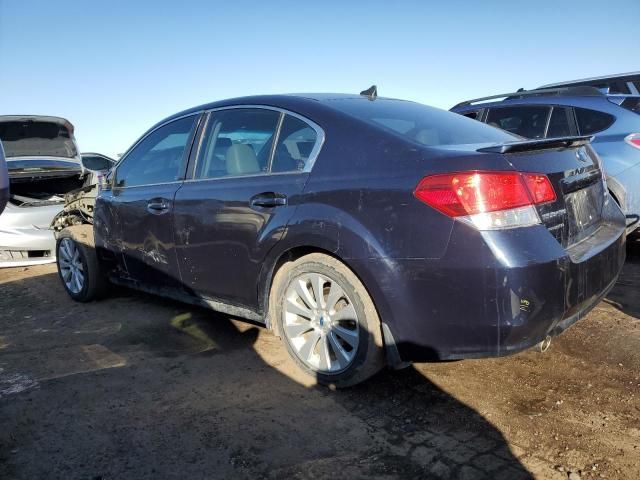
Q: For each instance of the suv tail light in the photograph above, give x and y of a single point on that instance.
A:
(487, 200)
(633, 140)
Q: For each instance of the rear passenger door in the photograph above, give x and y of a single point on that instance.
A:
(245, 179)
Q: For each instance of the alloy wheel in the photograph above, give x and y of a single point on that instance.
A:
(70, 264)
(320, 323)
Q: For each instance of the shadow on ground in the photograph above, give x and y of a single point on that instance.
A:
(196, 395)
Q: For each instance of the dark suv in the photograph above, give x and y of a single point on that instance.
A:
(613, 120)
(363, 231)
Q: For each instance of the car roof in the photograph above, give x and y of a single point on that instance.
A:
(619, 76)
(302, 103)
(594, 102)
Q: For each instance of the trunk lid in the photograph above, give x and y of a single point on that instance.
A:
(37, 136)
(575, 172)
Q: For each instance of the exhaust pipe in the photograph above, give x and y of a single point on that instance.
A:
(544, 345)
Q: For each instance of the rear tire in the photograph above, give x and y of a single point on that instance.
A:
(78, 266)
(335, 335)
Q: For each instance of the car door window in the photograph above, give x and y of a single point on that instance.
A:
(237, 142)
(159, 157)
(590, 121)
(560, 124)
(295, 148)
(528, 121)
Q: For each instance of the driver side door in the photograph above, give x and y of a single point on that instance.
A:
(140, 204)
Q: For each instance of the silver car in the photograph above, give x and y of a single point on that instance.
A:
(43, 164)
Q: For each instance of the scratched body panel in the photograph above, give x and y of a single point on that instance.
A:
(442, 288)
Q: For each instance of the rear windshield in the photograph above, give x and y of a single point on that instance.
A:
(32, 138)
(426, 125)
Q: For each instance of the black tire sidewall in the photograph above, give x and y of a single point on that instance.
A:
(366, 338)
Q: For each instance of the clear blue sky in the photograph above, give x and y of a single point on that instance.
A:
(116, 67)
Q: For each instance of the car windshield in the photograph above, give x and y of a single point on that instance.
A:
(24, 138)
(420, 123)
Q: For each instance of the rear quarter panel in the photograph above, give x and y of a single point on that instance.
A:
(359, 205)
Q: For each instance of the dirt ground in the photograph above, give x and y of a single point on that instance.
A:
(141, 387)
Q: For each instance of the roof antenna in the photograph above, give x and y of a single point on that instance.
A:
(371, 92)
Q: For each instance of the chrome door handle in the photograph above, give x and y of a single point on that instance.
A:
(268, 200)
(158, 206)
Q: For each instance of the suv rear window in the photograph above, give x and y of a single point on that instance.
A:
(528, 121)
(591, 121)
(560, 124)
(426, 125)
(631, 103)
(32, 138)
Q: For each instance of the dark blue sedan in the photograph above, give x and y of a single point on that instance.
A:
(363, 231)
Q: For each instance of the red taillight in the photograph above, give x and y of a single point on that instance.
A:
(539, 187)
(633, 140)
(471, 193)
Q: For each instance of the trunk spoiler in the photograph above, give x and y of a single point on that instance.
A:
(541, 144)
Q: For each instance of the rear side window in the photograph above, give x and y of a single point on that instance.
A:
(295, 145)
(560, 124)
(473, 114)
(426, 125)
(237, 142)
(631, 103)
(591, 121)
(528, 121)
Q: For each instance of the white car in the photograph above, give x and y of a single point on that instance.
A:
(43, 164)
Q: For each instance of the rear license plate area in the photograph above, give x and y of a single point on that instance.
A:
(584, 211)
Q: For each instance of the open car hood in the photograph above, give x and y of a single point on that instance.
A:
(37, 136)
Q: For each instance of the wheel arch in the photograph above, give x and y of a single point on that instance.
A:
(292, 253)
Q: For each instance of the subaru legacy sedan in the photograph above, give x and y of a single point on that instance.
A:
(363, 231)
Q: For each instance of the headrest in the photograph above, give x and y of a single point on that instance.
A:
(241, 160)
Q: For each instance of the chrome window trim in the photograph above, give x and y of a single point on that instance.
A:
(313, 155)
(248, 175)
(125, 155)
(632, 88)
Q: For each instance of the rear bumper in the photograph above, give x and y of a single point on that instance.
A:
(21, 247)
(25, 236)
(493, 293)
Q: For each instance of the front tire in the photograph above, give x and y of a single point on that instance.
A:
(78, 266)
(327, 320)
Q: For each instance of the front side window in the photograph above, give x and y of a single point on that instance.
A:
(591, 121)
(237, 142)
(295, 145)
(527, 121)
(159, 157)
